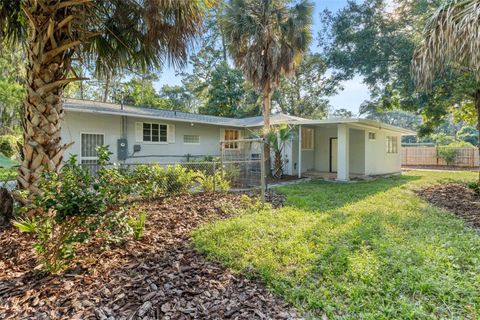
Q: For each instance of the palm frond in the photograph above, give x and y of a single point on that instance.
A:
(451, 38)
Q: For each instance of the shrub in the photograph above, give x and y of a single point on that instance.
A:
(448, 154)
(178, 180)
(211, 183)
(74, 206)
(8, 145)
(475, 187)
(148, 180)
(152, 181)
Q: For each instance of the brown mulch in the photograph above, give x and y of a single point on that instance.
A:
(159, 277)
(456, 198)
(441, 168)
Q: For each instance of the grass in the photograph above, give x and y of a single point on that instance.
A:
(367, 250)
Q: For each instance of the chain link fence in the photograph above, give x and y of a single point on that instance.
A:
(239, 167)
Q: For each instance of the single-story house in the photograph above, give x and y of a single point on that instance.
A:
(142, 135)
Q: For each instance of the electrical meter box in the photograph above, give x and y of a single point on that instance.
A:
(122, 148)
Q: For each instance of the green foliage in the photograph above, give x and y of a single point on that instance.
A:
(342, 114)
(305, 93)
(468, 134)
(363, 39)
(137, 223)
(74, 206)
(442, 139)
(460, 144)
(177, 98)
(211, 183)
(277, 137)
(153, 181)
(475, 187)
(11, 89)
(373, 250)
(178, 180)
(7, 174)
(224, 92)
(8, 145)
(448, 154)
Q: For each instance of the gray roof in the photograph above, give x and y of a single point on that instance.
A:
(141, 112)
(251, 122)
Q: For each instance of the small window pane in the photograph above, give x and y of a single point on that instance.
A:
(163, 133)
(231, 135)
(190, 138)
(307, 138)
(372, 135)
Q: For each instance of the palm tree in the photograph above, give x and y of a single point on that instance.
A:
(267, 39)
(116, 34)
(451, 40)
(277, 138)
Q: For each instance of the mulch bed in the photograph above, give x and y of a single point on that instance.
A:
(456, 198)
(159, 277)
(446, 168)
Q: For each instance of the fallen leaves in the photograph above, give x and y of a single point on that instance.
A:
(456, 198)
(159, 276)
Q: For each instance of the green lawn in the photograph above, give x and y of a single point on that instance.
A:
(366, 250)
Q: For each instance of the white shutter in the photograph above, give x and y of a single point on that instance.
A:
(171, 133)
(139, 131)
(222, 134)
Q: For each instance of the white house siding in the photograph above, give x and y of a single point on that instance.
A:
(209, 145)
(111, 126)
(76, 123)
(377, 160)
(357, 151)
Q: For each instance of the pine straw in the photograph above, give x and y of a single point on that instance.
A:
(160, 276)
(456, 198)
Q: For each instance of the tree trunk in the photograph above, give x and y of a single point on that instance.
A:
(50, 47)
(6, 207)
(477, 107)
(266, 109)
(106, 88)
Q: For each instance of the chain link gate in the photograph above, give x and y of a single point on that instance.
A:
(243, 163)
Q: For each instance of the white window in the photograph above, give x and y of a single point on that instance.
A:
(391, 144)
(372, 136)
(307, 138)
(89, 144)
(191, 139)
(230, 136)
(154, 132)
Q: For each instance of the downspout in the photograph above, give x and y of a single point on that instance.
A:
(299, 151)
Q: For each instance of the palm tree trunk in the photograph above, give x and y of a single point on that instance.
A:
(266, 109)
(477, 107)
(50, 47)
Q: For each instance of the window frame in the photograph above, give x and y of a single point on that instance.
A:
(312, 139)
(81, 157)
(192, 135)
(231, 145)
(151, 132)
(374, 136)
(390, 146)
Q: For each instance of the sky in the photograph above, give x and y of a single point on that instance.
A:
(350, 98)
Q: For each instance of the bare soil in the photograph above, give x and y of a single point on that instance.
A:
(160, 276)
(456, 198)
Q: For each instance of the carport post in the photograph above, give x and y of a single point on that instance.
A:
(343, 170)
(299, 151)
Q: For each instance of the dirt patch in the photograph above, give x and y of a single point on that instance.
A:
(456, 198)
(161, 276)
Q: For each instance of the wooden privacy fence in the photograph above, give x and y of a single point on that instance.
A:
(430, 156)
